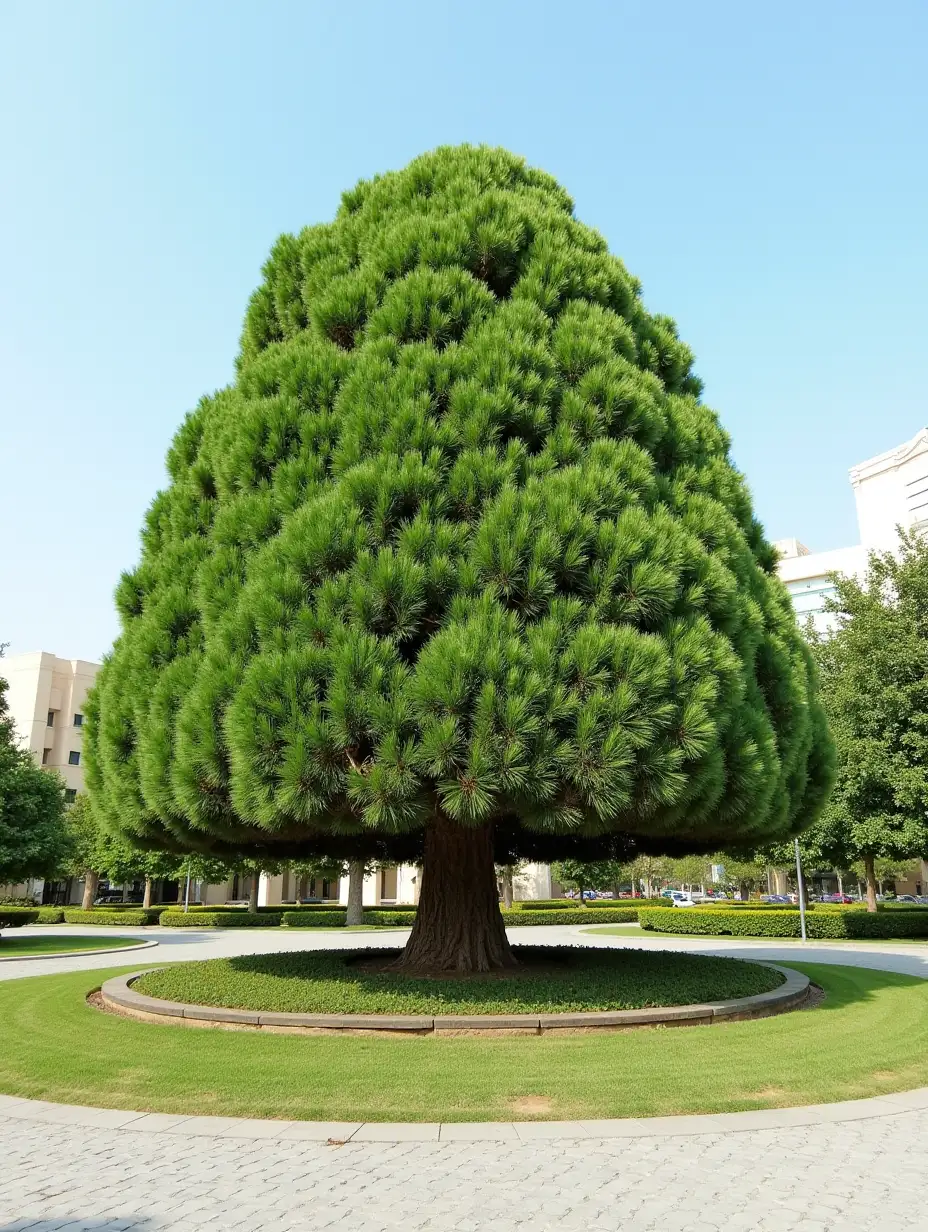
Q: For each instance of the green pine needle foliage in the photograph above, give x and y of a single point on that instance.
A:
(461, 535)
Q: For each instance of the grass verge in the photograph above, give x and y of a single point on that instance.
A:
(867, 1039)
(549, 980)
(26, 946)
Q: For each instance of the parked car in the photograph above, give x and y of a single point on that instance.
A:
(837, 898)
(683, 900)
(906, 898)
(108, 896)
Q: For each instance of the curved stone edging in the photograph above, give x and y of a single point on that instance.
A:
(110, 949)
(117, 993)
(16, 1108)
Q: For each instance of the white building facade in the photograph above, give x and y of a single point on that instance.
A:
(890, 490)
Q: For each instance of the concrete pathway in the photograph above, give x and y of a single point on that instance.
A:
(790, 1170)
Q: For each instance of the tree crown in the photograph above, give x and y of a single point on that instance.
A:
(461, 537)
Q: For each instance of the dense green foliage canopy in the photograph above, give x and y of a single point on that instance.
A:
(32, 838)
(460, 537)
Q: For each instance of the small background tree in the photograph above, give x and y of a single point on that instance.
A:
(32, 835)
(874, 678)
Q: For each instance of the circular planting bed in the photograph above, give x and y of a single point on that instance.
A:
(553, 989)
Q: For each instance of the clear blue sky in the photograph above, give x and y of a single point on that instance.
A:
(761, 168)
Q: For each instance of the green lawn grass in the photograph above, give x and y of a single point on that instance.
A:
(24, 946)
(866, 1039)
(549, 980)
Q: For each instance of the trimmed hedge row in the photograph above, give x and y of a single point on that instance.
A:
(315, 919)
(380, 917)
(14, 917)
(605, 915)
(830, 925)
(221, 919)
(136, 917)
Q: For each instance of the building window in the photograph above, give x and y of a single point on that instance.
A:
(78, 720)
(70, 795)
(51, 719)
(45, 753)
(74, 758)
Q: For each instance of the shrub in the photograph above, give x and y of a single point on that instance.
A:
(134, 917)
(391, 919)
(51, 915)
(825, 926)
(315, 919)
(221, 919)
(544, 904)
(606, 915)
(15, 917)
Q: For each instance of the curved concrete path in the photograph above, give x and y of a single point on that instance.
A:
(791, 1170)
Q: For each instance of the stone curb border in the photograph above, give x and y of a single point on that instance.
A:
(114, 949)
(336, 1133)
(117, 993)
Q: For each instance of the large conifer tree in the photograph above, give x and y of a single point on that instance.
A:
(458, 566)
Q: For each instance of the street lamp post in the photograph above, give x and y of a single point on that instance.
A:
(802, 892)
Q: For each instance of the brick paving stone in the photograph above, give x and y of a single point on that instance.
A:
(830, 1176)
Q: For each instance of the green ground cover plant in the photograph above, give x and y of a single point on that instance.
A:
(552, 980)
(866, 1039)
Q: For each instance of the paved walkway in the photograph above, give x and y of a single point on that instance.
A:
(792, 1170)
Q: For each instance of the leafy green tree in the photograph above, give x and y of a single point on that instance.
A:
(94, 852)
(745, 873)
(459, 570)
(32, 838)
(874, 672)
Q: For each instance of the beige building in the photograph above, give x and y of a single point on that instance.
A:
(46, 702)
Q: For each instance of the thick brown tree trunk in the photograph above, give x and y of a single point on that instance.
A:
(507, 886)
(355, 914)
(458, 922)
(253, 892)
(146, 897)
(871, 883)
(91, 885)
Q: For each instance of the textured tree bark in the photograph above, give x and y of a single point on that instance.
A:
(146, 897)
(355, 914)
(507, 886)
(871, 883)
(91, 885)
(253, 892)
(458, 922)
